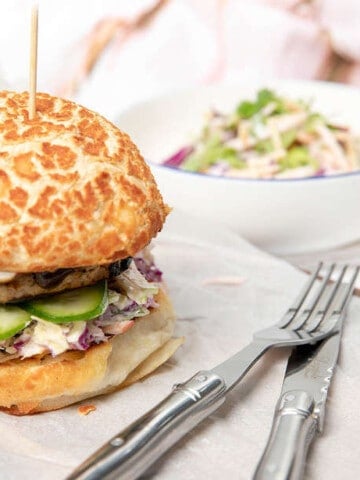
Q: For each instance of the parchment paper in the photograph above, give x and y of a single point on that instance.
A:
(216, 320)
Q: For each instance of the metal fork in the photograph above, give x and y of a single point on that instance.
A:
(312, 317)
(315, 312)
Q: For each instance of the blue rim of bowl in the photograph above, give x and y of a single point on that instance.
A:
(262, 180)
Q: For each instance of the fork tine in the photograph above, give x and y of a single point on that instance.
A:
(348, 294)
(318, 314)
(300, 300)
(303, 316)
(338, 300)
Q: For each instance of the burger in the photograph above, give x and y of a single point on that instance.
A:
(83, 310)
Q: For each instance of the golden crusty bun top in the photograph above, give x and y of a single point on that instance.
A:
(74, 189)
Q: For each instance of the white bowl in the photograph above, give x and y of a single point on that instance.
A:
(281, 216)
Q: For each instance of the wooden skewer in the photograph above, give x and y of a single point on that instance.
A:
(33, 62)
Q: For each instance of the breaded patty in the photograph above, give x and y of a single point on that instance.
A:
(24, 285)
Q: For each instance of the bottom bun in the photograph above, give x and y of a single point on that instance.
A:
(48, 383)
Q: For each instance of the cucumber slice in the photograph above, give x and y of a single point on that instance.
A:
(12, 320)
(80, 304)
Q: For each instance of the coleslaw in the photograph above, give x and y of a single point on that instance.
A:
(270, 137)
(131, 295)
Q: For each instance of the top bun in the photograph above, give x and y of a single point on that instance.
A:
(74, 189)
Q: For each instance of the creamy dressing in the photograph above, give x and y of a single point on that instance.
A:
(133, 299)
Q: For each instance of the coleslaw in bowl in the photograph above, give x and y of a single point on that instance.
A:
(286, 214)
(271, 136)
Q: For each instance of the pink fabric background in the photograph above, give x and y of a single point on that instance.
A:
(110, 54)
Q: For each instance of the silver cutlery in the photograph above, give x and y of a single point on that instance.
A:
(127, 455)
(300, 411)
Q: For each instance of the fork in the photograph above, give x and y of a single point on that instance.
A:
(312, 317)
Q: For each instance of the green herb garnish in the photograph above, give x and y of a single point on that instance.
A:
(248, 109)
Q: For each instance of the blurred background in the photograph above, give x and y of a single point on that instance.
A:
(110, 54)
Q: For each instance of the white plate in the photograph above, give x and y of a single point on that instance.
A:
(286, 217)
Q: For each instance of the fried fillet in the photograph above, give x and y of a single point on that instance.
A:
(24, 286)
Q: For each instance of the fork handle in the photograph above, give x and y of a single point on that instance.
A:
(132, 451)
(294, 427)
